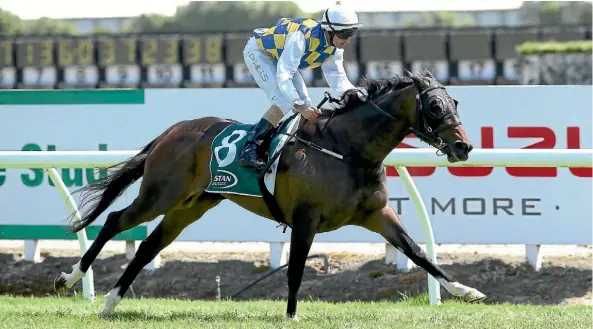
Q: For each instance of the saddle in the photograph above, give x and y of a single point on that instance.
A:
(264, 149)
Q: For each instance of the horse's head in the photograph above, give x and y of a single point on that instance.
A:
(437, 121)
(376, 117)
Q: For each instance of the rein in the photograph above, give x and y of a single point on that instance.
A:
(346, 159)
(421, 124)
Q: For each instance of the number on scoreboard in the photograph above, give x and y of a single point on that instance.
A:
(203, 56)
(241, 74)
(438, 68)
(207, 74)
(383, 69)
(35, 56)
(509, 69)
(76, 59)
(7, 69)
(122, 75)
(160, 55)
(164, 74)
(118, 58)
(476, 69)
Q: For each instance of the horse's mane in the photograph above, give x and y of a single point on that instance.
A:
(373, 88)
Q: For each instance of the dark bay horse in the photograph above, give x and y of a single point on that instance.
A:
(315, 192)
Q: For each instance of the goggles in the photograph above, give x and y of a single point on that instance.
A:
(345, 34)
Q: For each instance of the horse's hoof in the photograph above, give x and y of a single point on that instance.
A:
(473, 296)
(103, 314)
(60, 283)
(294, 317)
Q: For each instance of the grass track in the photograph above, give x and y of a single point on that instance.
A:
(74, 312)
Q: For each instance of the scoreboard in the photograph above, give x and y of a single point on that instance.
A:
(479, 56)
(193, 60)
(112, 61)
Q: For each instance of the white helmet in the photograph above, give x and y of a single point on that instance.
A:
(339, 18)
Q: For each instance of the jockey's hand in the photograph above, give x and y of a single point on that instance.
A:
(310, 113)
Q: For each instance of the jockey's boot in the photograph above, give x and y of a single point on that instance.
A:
(249, 156)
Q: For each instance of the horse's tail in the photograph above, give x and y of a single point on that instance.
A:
(102, 192)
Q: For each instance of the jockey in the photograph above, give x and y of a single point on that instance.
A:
(274, 56)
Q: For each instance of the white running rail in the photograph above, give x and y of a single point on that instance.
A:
(399, 158)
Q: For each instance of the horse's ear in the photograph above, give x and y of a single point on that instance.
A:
(417, 80)
(427, 73)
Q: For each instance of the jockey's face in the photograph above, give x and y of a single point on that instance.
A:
(338, 42)
(341, 43)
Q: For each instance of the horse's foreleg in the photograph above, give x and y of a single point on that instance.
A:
(305, 221)
(386, 222)
(164, 234)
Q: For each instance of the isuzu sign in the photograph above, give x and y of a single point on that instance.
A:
(545, 137)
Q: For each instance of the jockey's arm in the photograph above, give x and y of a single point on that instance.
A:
(335, 75)
(288, 64)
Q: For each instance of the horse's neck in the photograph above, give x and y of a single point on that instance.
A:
(365, 133)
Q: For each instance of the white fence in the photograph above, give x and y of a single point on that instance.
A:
(400, 158)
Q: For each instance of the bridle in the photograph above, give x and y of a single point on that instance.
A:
(422, 128)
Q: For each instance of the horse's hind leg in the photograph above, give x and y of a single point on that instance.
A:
(166, 232)
(386, 222)
(155, 198)
(143, 209)
(111, 228)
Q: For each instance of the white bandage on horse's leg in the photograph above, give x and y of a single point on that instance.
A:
(455, 288)
(111, 300)
(74, 276)
(274, 114)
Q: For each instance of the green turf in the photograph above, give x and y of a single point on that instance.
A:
(74, 312)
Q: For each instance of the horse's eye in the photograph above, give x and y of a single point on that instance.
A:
(436, 106)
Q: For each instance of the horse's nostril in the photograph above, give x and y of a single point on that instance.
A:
(463, 146)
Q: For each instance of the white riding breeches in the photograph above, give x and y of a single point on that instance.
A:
(263, 70)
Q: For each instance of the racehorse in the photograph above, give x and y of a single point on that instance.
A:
(329, 176)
